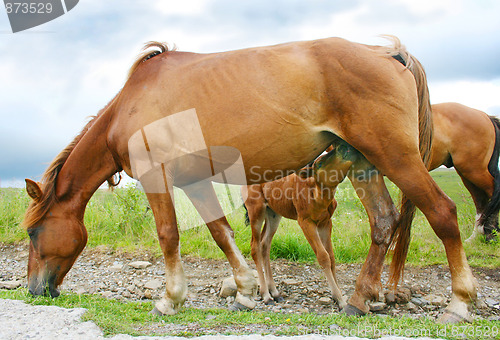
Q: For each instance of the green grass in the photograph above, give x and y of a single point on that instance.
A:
(121, 219)
(133, 318)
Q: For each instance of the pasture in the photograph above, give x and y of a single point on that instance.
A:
(121, 219)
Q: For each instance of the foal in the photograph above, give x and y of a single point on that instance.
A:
(311, 202)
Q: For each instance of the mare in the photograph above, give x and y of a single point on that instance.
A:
(177, 110)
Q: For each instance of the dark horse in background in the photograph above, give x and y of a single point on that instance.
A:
(305, 95)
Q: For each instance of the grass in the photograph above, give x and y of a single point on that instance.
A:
(122, 219)
(133, 318)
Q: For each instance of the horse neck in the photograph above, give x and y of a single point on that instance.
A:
(87, 167)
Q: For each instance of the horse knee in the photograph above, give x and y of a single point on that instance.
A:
(383, 228)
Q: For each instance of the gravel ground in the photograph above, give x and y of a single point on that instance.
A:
(426, 291)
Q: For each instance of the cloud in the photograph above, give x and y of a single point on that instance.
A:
(56, 75)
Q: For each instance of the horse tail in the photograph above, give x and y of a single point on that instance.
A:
(247, 218)
(491, 210)
(400, 239)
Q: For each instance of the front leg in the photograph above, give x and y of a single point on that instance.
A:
(204, 199)
(370, 187)
(168, 235)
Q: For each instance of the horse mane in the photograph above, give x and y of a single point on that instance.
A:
(37, 209)
(159, 48)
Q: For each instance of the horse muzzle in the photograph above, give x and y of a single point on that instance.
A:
(43, 286)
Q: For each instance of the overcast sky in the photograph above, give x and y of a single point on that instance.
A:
(54, 76)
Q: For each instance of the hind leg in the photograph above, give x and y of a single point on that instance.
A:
(203, 197)
(382, 214)
(256, 208)
(312, 232)
(270, 227)
(391, 145)
(480, 186)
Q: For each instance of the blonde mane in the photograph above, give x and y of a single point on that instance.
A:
(159, 48)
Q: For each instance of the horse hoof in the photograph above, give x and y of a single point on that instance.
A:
(452, 317)
(279, 299)
(269, 302)
(238, 307)
(155, 311)
(350, 310)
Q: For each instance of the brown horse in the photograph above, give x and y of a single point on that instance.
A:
(469, 140)
(311, 202)
(177, 108)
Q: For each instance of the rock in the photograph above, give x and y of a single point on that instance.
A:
(139, 264)
(491, 302)
(390, 298)
(107, 294)
(377, 306)
(147, 294)
(10, 284)
(81, 291)
(228, 288)
(411, 306)
(419, 301)
(116, 267)
(131, 288)
(152, 284)
(291, 282)
(403, 295)
(435, 300)
(303, 310)
(210, 317)
(324, 301)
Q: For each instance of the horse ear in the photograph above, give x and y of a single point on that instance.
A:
(33, 190)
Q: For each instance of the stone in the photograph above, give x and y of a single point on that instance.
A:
(116, 267)
(147, 294)
(153, 284)
(292, 282)
(81, 291)
(324, 301)
(10, 284)
(403, 295)
(435, 300)
(419, 301)
(491, 302)
(107, 294)
(139, 264)
(390, 298)
(377, 306)
(228, 288)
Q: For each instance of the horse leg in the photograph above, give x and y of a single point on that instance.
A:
(256, 209)
(382, 214)
(411, 176)
(312, 232)
(204, 199)
(270, 227)
(168, 236)
(480, 186)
